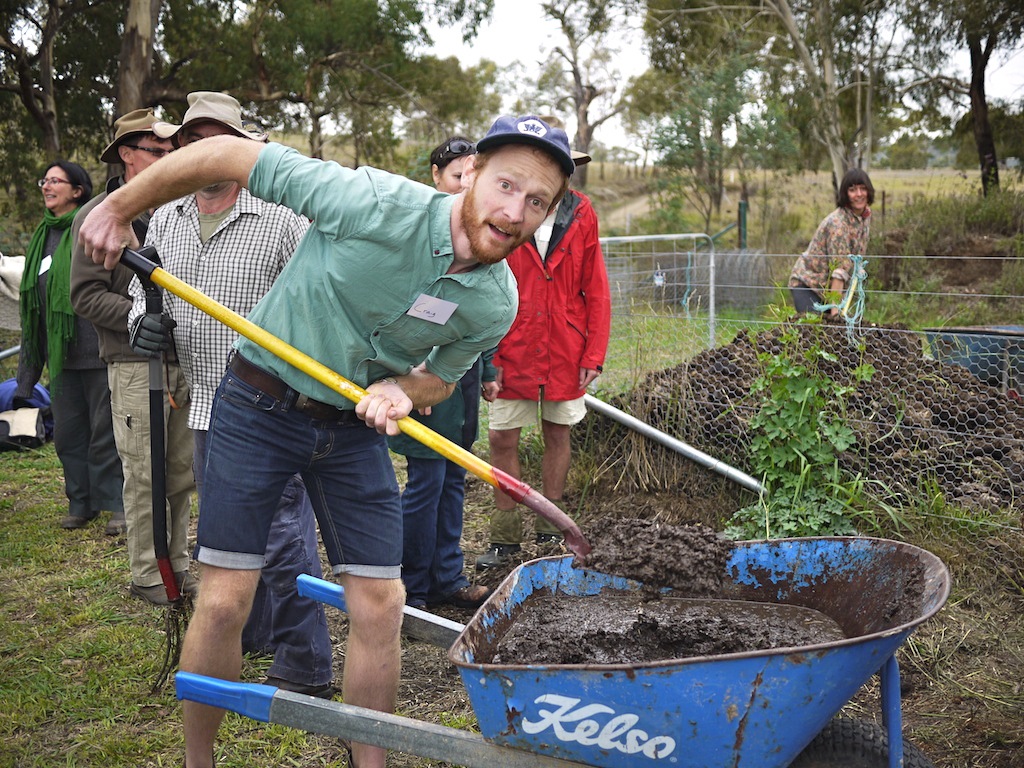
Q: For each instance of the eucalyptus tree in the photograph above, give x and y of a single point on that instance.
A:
(691, 141)
(579, 74)
(825, 54)
(984, 28)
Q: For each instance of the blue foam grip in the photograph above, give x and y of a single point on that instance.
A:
(249, 699)
(325, 592)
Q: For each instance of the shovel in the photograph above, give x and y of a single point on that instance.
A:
(176, 616)
(516, 489)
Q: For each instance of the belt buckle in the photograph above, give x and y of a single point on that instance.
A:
(302, 403)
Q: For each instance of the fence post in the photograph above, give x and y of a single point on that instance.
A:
(741, 223)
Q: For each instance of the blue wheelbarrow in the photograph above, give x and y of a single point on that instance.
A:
(993, 353)
(758, 708)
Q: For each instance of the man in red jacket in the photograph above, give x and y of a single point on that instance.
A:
(553, 351)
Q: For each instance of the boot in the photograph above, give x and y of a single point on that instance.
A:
(496, 555)
(117, 526)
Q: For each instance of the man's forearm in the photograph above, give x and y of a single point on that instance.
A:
(423, 387)
(187, 170)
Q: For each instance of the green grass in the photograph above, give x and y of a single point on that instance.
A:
(79, 657)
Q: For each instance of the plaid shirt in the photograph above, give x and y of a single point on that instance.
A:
(235, 267)
(841, 234)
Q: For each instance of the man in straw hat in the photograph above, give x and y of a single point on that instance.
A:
(232, 246)
(399, 288)
(102, 298)
(555, 349)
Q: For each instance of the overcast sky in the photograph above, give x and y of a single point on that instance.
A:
(519, 31)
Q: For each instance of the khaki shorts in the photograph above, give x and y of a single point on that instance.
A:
(516, 414)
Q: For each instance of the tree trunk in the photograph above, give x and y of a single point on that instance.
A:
(983, 138)
(584, 132)
(136, 68)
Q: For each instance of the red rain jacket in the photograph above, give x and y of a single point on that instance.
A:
(564, 313)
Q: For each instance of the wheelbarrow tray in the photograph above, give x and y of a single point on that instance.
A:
(758, 708)
(993, 353)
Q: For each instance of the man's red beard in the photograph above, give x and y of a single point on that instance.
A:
(477, 229)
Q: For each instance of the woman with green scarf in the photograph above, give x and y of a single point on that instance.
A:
(53, 335)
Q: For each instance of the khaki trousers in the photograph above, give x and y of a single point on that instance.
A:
(129, 404)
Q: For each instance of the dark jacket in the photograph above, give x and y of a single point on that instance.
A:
(101, 296)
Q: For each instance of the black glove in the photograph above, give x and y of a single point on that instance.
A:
(151, 335)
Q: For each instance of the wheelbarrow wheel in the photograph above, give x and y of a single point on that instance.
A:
(849, 743)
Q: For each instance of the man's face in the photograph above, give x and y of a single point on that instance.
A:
(507, 199)
(140, 152)
(204, 129)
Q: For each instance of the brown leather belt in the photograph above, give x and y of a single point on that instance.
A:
(266, 382)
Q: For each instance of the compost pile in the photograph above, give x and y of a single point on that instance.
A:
(916, 420)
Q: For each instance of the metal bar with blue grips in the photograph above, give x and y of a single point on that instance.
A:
(367, 726)
(421, 625)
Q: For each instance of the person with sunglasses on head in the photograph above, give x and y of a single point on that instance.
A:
(67, 344)
(447, 161)
(434, 493)
(102, 297)
(397, 287)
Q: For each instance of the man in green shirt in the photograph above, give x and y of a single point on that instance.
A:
(396, 286)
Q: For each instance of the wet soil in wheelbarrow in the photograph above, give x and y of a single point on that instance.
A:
(644, 625)
(627, 629)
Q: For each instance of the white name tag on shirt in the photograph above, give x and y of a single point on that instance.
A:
(44, 265)
(432, 309)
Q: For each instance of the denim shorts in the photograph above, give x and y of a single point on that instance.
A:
(255, 443)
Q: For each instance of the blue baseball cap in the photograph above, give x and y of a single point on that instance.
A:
(530, 129)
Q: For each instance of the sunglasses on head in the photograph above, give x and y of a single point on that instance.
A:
(458, 148)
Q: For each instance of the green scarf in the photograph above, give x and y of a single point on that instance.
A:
(60, 316)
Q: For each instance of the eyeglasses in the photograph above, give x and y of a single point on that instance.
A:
(154, 151)
(52, 180)
(458, 148)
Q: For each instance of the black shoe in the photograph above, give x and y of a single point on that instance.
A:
(117, 525)
(496, 555)
(550, 538)
(325, 691)
(71, 522)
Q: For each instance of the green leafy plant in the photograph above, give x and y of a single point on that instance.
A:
(798, 430)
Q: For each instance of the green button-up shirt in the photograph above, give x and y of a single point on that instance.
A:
(377, 243)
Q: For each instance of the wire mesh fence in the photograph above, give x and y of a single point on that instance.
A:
(939, 421)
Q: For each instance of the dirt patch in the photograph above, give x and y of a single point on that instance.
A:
(627, 629)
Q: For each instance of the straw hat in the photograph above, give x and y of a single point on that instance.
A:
(218, 107)
(135, 123)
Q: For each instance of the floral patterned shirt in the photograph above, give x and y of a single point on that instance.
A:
(841, 234)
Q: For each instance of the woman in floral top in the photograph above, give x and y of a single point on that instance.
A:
(826, 264)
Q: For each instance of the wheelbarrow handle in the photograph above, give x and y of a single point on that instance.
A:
(516, 489)
(421, 625)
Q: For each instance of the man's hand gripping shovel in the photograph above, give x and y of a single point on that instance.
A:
(516, 489)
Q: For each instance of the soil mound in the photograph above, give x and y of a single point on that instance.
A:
(919, 422)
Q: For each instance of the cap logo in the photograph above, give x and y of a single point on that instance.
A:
(532, 127)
